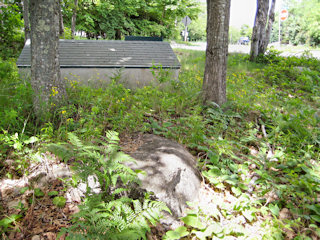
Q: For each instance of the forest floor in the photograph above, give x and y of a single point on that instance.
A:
(29, 199)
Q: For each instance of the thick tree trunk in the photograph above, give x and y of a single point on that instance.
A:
(214, 82)
(73, 19)
(49, 89)
(26, 19)
(262, 28)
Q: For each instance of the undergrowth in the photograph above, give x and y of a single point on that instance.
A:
(110, 213)
(262, 146)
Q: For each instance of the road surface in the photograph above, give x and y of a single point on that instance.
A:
(201, 46)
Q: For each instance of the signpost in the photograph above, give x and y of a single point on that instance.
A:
(283, 15)
(186, 21)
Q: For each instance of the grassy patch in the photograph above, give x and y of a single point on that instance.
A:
(261, 147)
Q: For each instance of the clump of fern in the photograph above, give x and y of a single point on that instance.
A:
(111, 214)
(117, 219)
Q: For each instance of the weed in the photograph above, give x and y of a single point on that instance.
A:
(109, 214)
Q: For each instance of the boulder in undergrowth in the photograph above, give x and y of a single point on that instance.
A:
(171, 172)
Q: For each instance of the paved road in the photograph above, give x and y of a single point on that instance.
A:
(201, 46)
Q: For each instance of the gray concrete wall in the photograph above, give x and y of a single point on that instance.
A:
(130, 77)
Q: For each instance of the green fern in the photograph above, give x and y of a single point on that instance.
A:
(115, 220)
(61, 150)
(108, 215)
(103, 161)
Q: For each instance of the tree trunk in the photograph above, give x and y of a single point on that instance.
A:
(118, 34)
(73, 19)
(26, 19)
(261, 30)
(61, 25)
(268, 27)
(214, 82)
(48, 87)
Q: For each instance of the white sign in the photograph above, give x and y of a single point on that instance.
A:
(186, 21)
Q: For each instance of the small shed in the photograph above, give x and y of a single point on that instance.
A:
(98, 61)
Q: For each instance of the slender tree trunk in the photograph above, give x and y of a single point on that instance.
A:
(73, 19)
(26, 19)
(163, 15)
(118, 34)
(61, 25)
(262, 28)
(268, 27)
(49, 89)
(214, 82)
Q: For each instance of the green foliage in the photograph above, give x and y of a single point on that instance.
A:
(178, 233)
(200, 225)
(102, 162)
(270, 56)
(246, 31)
(53, 193)
(160, 74)
(234, 35)
(15, 98)
(118, 219)
(59, 201)
(8, 222)
(38, 192)
(109, 214)
(11, 36)
(262, 147)
(279, 119)
(197, 28)
(21, 149)
(113, 19)
(302, 25)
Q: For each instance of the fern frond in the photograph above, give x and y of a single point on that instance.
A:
(61, 150)
(102, 216)
(74, 140)
(119, 190)
(129, 234)
(112, 137)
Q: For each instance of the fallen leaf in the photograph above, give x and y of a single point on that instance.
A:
(50, 235)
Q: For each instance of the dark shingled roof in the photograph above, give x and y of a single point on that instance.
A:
(109, 54)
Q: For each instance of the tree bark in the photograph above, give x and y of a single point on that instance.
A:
(118, 34)
(262, 28)
(73, 19)
(61, 25)
(214, 82)
(26, 19)
(268, 27)
(48, 87)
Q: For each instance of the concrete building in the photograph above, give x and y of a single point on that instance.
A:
(96, 62)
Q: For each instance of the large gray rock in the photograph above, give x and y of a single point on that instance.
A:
(171, 172)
